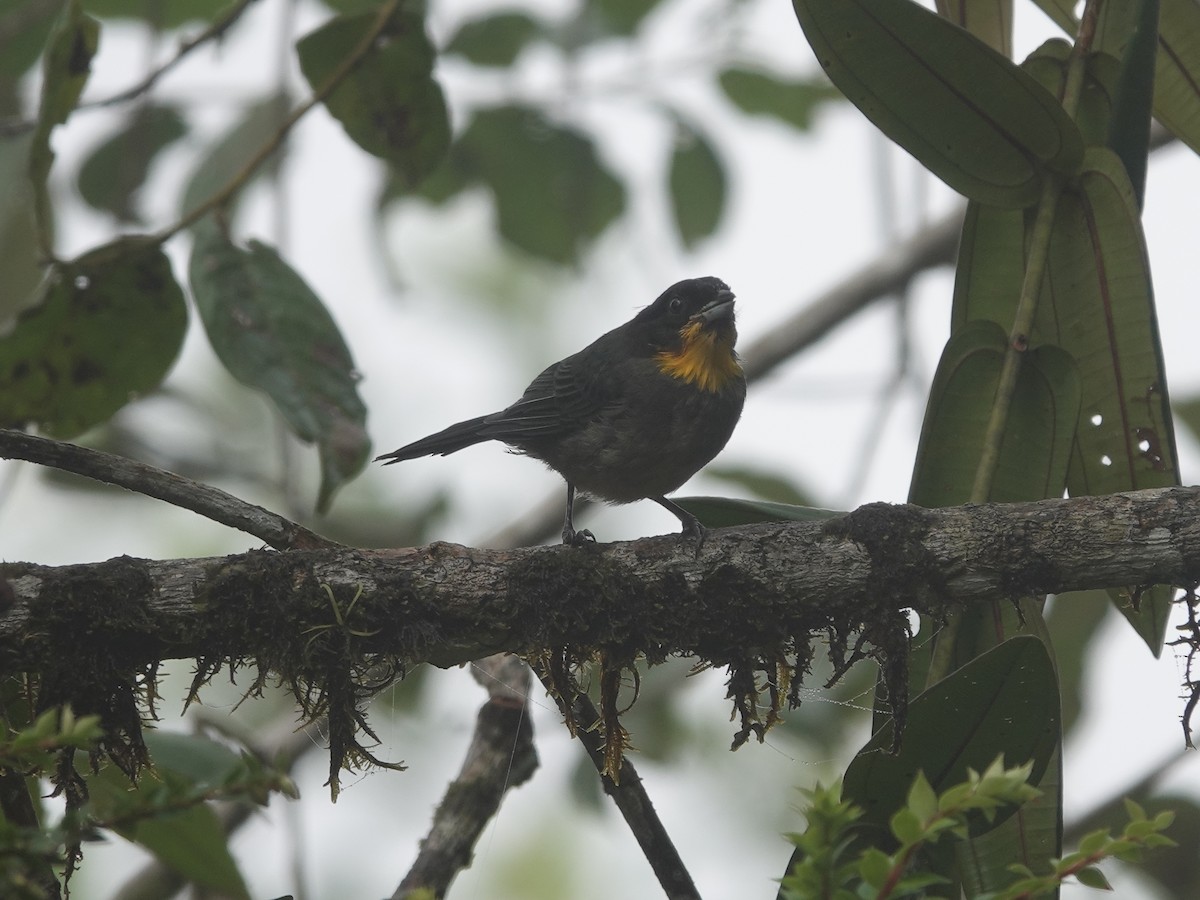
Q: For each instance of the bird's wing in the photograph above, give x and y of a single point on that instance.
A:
(565, 396)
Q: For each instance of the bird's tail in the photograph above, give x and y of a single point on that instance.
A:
(447, 441)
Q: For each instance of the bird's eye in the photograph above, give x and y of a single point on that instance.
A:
(676, 305)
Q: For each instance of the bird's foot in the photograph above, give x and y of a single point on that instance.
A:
(577, 538)
(694, 530)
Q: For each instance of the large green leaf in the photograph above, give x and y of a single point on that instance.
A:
(1098, 304)
(552, 192)
(963, 110)
(390, 104)
(1002, 702)
(697, 182)
(273, 333)
(65, 71)
(108, 327)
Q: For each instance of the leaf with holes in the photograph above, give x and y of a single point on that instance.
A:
(108, 327)
(1098, 304)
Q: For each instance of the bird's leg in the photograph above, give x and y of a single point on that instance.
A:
(569, 534)
(691, 525)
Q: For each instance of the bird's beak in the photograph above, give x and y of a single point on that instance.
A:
(719, 310)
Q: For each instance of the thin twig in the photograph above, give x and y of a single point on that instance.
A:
(501, 757)
(17, 125)
(629, 795)
(214, 31)
(267, 150)
(210, 502)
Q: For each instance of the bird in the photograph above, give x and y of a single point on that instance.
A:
(633, 415)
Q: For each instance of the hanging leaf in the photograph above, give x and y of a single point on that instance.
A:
(390, 104)
(273, 333)
(108, 327)
(761, 94)
(1099, 305)
(112, 175)
(697, 181)
(965, 112)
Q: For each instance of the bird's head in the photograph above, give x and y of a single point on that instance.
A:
(692, 332)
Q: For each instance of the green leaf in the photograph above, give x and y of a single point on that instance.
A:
(108, 327)
(553, 194)
(1129, 31)
(1177, 66)
(723, 512)
(390, 104)
(967, 113)
(698, 186)
(273, 333)
(1098, 304)
(191, 842)
(1177, 71)
(762, 94)
(495, 40)
(1093, 878)
(112, 175)
(27, 26)
(1002, 702)
(203, 762)
(65, 71)
(1037, 443)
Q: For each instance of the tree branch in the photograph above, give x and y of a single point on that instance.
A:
(749, 590)
(501, 757)
(210, 502)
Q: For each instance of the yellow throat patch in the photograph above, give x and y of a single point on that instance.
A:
(706, 359)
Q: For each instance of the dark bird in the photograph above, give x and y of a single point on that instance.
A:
(631, 416)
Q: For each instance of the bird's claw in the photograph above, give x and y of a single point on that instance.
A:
(577, 538)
